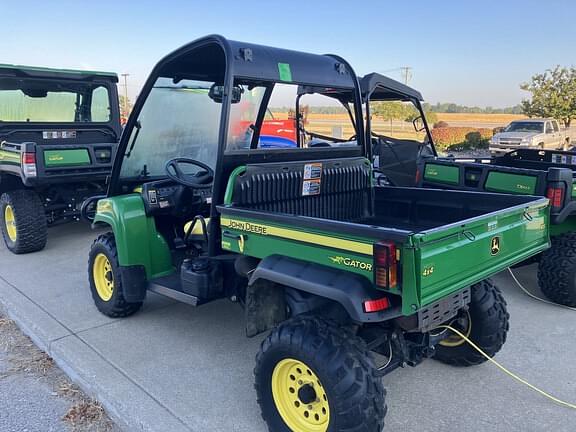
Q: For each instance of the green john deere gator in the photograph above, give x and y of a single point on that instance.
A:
(58, 135)
(351, 281)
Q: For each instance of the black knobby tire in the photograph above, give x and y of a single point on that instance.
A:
(557, 270)
(489, 327)
(116, 306)
(29, 221)
(341, 361)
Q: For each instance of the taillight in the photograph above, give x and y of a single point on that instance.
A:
(29, 164)
(376, 305)
(417, 178)
(556, 196)
(385, 265)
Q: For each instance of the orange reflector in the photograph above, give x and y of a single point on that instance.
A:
(376, 305)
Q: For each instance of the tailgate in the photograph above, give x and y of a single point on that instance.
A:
(458, 255)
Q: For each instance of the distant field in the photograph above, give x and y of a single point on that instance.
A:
(478, 120)
(325, 123)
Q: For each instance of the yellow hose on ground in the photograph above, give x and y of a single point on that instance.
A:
(507, 372)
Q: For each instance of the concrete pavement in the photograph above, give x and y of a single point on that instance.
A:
(172, 367)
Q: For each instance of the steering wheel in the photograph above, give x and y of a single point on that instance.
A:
(200, 180)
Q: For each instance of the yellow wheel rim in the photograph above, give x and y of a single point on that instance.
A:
(454, 340)
(10, 222)
(299, 397)
(103, 276)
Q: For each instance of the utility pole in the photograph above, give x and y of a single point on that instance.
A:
(125, 76)
(407, 73)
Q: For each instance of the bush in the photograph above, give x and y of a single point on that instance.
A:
(440, 124)
(461, 138)
(431, 117)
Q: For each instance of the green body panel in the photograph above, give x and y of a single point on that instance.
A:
(137, 240)
(71, 157)
(261, 245)
(9, 157)
(442, 173)
(511, 183)
(434, 263)
(567, 226)
(463, 255)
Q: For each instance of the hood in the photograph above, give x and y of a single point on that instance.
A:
(516, 134)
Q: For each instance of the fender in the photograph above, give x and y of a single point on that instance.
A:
(346, 288)
(137, 241)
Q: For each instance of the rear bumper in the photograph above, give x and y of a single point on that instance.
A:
(95, 170)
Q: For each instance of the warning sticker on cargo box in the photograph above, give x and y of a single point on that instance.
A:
(311, 187)
(312, 171)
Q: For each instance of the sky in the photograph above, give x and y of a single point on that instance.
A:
(470, 53)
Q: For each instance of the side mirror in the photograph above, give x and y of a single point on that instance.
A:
(216, 93)
(418, 124)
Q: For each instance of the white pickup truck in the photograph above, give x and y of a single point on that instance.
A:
(530, 133)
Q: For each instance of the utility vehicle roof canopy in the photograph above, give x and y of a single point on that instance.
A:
(380, 88)
(254, 62)
(42, 72)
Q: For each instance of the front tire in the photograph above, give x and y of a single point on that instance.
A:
(486, 323)
(106, 281)
(315, 376)
(23, 221)
(557, 270)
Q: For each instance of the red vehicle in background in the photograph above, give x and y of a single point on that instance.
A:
(274, 133)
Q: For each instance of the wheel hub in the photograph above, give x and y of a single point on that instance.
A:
(103, 276)
(10, 222)
(307, 394)
(300, 397)
(463, 324)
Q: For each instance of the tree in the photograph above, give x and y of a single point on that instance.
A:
(553, 95)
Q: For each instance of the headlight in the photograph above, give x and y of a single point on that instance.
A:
(526, 140)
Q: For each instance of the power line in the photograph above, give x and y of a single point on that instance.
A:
(405, 71)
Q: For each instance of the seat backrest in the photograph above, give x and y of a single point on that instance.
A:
(337, 189)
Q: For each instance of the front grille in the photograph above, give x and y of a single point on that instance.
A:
(510, 141)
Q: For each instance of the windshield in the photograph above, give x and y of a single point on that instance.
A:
(177, 120)
(525, 127)
(52, 101)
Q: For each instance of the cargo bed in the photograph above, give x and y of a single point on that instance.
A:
(447, 240)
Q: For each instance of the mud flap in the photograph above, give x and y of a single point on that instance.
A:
(265, 306)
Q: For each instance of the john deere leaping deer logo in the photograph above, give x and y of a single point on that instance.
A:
(495, 245)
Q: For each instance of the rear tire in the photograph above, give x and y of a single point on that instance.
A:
(106, 280)
(557, 270)
(487, 327)
(309, 357)
(23, 221)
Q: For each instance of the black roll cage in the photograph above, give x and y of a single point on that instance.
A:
(109, 83)
(245, 61)
(387, 89)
